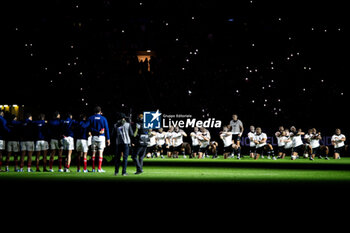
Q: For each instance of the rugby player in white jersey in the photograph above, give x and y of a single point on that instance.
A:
(298, 145)
(260, 141)
(151, 144)
(237, 131)
(168, 141)
(160, 140)
(281, 142)
(177, 139)
(204, 140)
(262, 146)
(226, 138)
(289, 144)
(252, 145)
(338, 140)
(195, 142)
(314, 138)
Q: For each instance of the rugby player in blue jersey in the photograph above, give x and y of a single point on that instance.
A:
(100, 135)
(55, 135)
(41, 144)
(82, 134)
(68, 139)
(27, 142)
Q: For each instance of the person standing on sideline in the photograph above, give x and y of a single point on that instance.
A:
(237, 131)
(100, 135)
(122, 132)
(141, 142)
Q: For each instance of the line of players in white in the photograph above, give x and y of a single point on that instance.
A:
(293, 142)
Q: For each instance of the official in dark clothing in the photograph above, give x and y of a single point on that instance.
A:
(122, 132)
(141, 140)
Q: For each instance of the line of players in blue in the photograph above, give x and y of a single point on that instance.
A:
(28, 136)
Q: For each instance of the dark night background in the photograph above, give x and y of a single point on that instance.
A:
(212, 59)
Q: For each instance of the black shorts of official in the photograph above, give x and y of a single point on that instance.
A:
(195, 149)
(281, 149)
(299, 149)
(204, 149)
(236, 138)
(316, 151)
(228, 149)
(177, 148)
(339, 150)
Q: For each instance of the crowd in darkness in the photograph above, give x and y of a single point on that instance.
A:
(271, 67)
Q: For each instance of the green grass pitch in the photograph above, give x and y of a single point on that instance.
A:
(205, 171)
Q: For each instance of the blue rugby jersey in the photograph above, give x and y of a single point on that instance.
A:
(3, 128)
(14, 134)
(55, 129)
(67, 127)
(40, 130)
(27, 131)
(82, 130)
(98, 122)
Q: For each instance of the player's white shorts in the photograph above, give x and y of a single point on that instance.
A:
(41, 145)
(27, 146)
(68, 143)
(12, 146)
(98, 143)
(89, 140)
(56, 144)
(82, 145)
(2, 145)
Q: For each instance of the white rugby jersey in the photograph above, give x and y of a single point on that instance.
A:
(152, 140)
(204, 143)
(226, 139)
(236, 126)
(281, 141)
(297, 141)
(177, 138)
(160, 138)
(260, 137)
(251, 141)
(313, 142)
(168, 136)
(195, 141)
(336, 138)
(288, 144)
